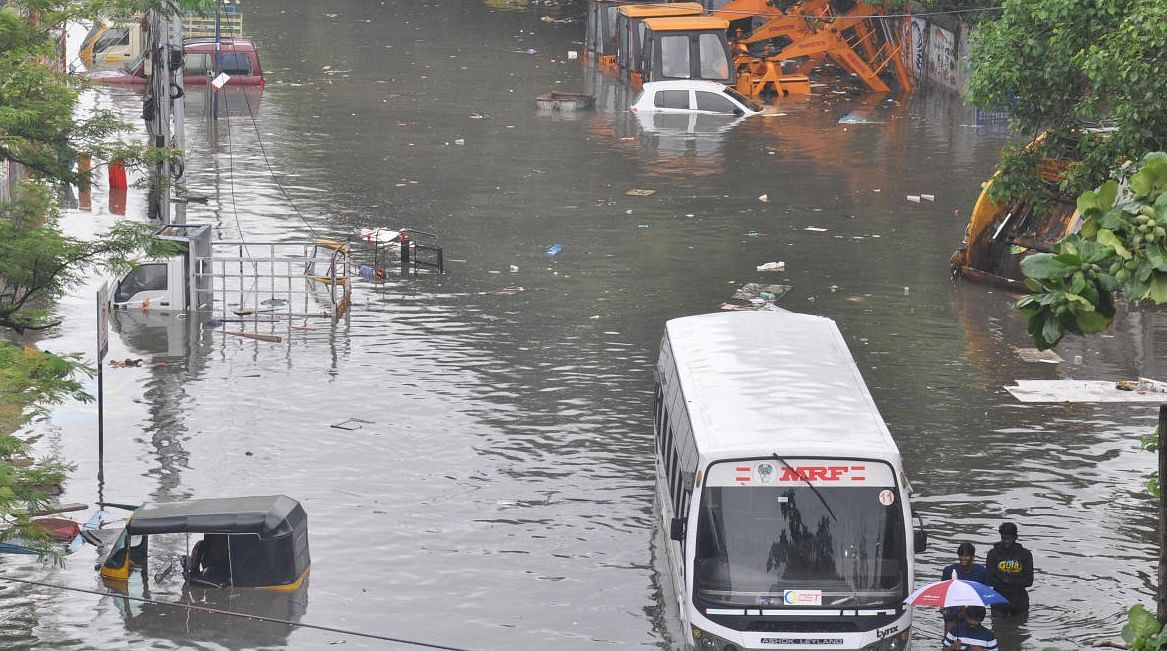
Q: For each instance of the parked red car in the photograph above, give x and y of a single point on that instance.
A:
(238, 58)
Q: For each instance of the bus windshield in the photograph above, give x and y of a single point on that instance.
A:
(833, 546)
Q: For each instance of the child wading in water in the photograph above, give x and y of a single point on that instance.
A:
(970, 635)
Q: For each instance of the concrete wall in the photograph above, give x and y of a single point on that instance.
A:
(940, 49)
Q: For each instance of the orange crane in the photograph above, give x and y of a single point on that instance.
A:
(813, 29)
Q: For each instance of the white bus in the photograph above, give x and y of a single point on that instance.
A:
(782, 498)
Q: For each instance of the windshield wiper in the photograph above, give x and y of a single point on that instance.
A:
(807, 481)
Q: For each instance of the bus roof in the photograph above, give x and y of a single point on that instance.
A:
(663, 9)
(765, 382)
(686, 23)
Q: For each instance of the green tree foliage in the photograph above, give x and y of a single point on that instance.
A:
(1061, 66)
(43, 129)
(25, 483)
(1121, 245)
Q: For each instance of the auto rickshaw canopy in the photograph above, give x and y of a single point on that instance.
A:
(247, 542)
(264, 516)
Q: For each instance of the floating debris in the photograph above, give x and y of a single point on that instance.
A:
(352, 424)
(758, 293)
(125, 363)
(1034, 355)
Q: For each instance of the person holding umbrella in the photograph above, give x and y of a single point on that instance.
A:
(968, 635)
(971, 635)
(1010, 572)
(965, 570)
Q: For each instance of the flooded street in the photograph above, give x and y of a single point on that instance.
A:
(500, 495)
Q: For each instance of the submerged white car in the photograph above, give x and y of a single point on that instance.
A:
(693, 96)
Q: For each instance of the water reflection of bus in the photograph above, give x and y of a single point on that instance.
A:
(781, 492)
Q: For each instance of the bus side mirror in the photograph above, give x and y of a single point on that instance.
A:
(921, 539)
(677, 529)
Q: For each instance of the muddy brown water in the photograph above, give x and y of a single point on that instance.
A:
(501, 496)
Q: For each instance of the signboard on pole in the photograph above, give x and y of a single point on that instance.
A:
(102, 322)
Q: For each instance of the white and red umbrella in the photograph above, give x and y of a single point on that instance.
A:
(955, 592)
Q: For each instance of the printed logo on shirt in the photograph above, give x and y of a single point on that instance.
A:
(1009, 566)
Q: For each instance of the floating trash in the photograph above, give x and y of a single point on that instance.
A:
(758, 293)
(554, 250)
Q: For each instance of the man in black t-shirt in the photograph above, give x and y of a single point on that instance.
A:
(1010, 569)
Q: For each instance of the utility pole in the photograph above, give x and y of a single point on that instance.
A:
(162, 107)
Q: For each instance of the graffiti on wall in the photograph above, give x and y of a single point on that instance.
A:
(918, 41)
(943, 65)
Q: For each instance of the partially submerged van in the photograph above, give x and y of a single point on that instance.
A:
(782, 498)
(238, 58)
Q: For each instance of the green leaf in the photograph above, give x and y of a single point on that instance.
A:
(1051, 332)
(1043, 266)
(1156, 256)
(1107, 238)
(1087, 202)
(1142, 182)
(1107, 194)
(1143, 624)
(1092, 322)
(1159, 288)
(1078, 283)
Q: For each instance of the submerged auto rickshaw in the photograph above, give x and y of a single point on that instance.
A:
(246, 542)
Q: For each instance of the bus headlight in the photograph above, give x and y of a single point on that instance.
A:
(897, 642)
(704, 640)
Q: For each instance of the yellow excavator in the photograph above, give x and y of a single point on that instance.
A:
(999, 236)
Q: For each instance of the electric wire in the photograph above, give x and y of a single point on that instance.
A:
(231, 163)
(230, 613)
(271, 171)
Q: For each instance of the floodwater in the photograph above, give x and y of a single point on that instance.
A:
(500, 495)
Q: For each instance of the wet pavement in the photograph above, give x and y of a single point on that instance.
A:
(501, 496)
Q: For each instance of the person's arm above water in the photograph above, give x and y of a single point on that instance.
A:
(1026, 577)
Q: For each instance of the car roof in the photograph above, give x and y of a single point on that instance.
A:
(684, 84)
(227, 43)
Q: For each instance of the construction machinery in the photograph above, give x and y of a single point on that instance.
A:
(630, 30)
(999, 236)
(685, 48)
(767, 36)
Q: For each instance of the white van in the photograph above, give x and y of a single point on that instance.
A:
(782, 498)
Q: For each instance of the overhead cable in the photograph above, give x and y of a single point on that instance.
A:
(229, 613)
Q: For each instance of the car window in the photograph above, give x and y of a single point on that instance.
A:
(672, 99)
(715, 102)
(144, 278)
(714, 58)
(674, 57)
(749, 103)
(234, 63)
(197, 64)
